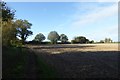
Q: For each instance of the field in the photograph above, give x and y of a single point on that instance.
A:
(80, 60)
(61, 61)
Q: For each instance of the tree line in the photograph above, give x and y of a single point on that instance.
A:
(16, 31)
(54, 37)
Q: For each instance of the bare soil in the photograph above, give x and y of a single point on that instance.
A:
(80, 60)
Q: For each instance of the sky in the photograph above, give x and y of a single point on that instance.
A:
(94, 20)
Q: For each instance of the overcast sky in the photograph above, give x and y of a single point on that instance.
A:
(94, 20)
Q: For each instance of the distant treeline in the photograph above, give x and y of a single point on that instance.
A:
(55, 38)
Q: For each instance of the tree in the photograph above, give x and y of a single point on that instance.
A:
(53, 36)
(92, 41)
(8, 28)
(39, 37)
(23, 31)
(63, 38)
(87, 41)
(101, 41)
(8, 33)
(81, 39)
(108, 40)
(7, 13)
(73, 41)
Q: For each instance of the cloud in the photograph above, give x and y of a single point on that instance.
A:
(93, 14)
(106, 32)
(97, 14)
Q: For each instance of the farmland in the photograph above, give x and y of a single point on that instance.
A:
(80, 60)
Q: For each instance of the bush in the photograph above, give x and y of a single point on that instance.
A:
(91, 41)
(16, 43)
(73, 41)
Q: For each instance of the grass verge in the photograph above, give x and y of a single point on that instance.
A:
(13, 59)
(44, 70)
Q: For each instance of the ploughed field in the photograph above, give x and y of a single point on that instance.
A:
(80, 60)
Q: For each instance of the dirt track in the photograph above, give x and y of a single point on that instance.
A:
(81, 61)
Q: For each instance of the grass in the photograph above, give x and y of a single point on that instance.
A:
(14, 63)
(44, 70)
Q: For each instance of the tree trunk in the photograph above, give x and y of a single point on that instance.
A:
(23, 39)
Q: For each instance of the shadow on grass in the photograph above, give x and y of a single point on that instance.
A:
(89, 64)
(13, 61)
(21, 63)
